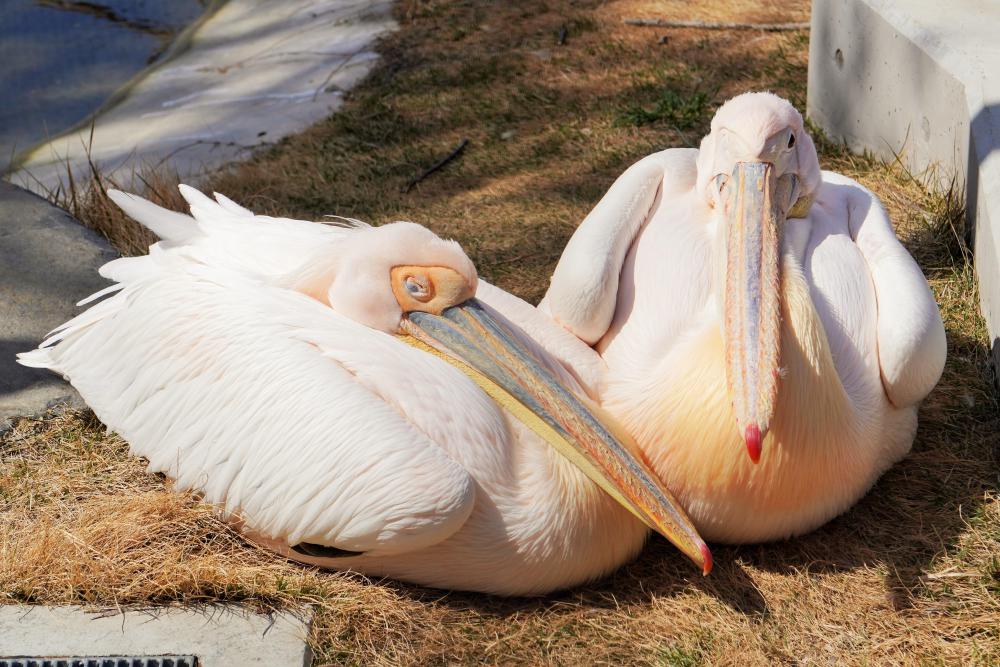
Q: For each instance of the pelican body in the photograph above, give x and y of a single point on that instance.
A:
(767, 337)
(339, 394)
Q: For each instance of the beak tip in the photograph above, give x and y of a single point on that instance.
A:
(754, 440)
(706, 556)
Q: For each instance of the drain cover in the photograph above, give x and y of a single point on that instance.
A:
(104, 661)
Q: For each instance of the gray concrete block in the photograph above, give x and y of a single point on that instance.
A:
(918, 79)
(48, 262)
(219, 636)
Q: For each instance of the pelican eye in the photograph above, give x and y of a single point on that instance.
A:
(791, 140)
(416, 288)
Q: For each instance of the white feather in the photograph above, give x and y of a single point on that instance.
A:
(166, 224)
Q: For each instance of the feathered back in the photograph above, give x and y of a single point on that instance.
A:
(223, 234)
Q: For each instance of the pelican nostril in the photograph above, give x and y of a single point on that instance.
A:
(717, 194)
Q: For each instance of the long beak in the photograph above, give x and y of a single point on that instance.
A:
(752, 298)
(493, 352)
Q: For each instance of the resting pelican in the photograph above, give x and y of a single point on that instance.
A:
(264, 363)
(742, 298)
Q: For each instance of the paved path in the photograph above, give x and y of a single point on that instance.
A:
(248, 74)
(48, 262)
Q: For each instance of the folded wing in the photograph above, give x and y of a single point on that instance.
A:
(583, 293)
(911, 339)
(266, 402)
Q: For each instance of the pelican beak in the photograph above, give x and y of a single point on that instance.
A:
(522, 377)
(755, 211)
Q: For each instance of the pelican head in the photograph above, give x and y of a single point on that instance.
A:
(403, 279)
(757, 167)
(425, 273)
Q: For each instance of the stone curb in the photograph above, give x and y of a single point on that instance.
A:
(48, 262)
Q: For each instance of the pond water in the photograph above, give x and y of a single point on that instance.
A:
(61, 59)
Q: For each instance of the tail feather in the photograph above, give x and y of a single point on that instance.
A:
(168, 225)
(100, 293)
(203, 207)
(121, 269)
(232, 207)
(37, 358)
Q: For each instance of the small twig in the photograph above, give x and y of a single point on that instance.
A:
(99, 11)
(709, 25)
(448, 158)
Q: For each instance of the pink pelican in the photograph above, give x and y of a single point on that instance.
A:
(742, 298)
(339, 393)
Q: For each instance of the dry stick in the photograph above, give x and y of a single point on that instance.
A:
(448, 158)
(99, 11)
(709, 25)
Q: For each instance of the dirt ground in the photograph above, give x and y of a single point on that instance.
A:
(556, 99)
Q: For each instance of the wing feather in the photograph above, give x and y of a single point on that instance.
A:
(255, 396)
(911, 338)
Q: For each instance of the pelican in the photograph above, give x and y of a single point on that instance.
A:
(341, 395)
(767, 337)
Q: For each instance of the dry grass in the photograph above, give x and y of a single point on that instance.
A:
(911, 575)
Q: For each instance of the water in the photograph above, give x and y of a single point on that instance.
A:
(61, 59)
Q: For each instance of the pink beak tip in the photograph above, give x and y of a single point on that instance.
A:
(707, 560)
(754, 442)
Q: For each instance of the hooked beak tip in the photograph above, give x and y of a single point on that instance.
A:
(707, 560)
(754, 440)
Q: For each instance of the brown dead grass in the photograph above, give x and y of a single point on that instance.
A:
(911, 575)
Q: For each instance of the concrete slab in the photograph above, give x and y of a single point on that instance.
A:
(248, 74)
(917, 78)
(219, 636)
(48, 262)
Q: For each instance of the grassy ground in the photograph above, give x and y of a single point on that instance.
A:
(910, 575)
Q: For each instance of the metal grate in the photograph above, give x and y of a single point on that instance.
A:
(104, 661)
